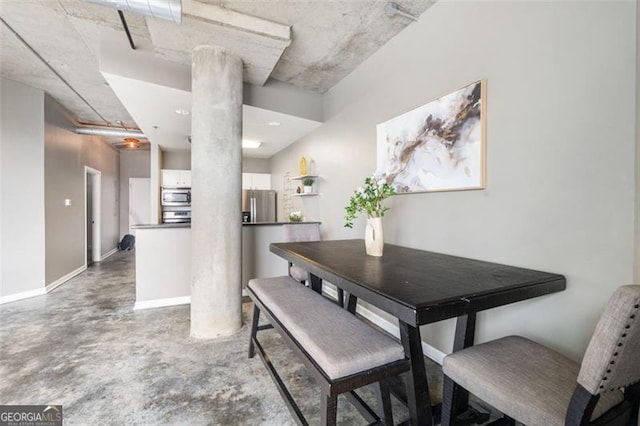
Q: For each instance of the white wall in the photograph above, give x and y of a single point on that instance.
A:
(256, 165)
(133, 164)
(66, 155)
(155, 180)
(22, 249)
(636, 276)
(560, 152)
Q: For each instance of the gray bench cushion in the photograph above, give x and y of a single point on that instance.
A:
(522, 379)
(338, 342)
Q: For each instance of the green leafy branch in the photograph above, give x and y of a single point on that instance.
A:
(368, 199)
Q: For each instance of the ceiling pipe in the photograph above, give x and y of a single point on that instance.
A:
(126, 29)
(171, 10)
(116, 133)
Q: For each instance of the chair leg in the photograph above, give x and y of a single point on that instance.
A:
(450, 401)
(328, 409)
(632, 394)
(254, 330)
(384, 402)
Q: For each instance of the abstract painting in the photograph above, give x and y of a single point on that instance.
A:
(438, 146)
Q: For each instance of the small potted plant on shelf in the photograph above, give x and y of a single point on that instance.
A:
(308, 185)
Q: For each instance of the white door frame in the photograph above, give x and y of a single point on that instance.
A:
(96, 197)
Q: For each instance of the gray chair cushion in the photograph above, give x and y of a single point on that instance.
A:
(338, 342)
(522, 379)
(300, 232)
(298, 274)
(612, 358)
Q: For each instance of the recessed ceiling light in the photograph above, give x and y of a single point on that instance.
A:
(181, 111)
(251, 144)
(274, 123)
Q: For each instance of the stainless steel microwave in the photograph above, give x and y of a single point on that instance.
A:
(176, 197)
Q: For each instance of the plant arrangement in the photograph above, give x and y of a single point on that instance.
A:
(368, 199)
(307, 181)
(295, 217)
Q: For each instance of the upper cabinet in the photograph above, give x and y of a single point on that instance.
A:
(176, 178)
(256, 181)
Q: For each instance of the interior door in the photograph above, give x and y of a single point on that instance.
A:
(139, 202)
(89, 218)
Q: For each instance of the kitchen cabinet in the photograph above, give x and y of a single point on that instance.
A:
(176, 178)
(256, 181)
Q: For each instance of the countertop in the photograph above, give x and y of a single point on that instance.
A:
(188, 225)
(162, 226)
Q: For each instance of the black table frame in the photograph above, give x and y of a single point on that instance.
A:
(463, 307)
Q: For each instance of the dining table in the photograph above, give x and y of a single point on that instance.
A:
(418, 287)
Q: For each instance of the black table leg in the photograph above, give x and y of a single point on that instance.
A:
(455, 398)
(316, 283)
(418, 399)
(352, 303)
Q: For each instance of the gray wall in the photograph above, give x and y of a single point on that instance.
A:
(66, 155)
(22, 249)
(636, 275)
(256, 165)
(181, 160)
(176, 160)
(560, 152)
(133, 164)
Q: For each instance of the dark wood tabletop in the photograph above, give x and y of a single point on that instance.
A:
(418, 286)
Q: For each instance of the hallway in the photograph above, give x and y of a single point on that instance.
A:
(84, 347)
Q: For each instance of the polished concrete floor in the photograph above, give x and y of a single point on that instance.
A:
(84, 347)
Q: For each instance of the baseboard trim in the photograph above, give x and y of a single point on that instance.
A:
(109, 253)
(161, 303)
(391, 328)
(57, 283)
(22, 295)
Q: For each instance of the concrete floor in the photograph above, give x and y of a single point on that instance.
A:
(83, 346)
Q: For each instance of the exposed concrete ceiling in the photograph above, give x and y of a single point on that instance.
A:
(54, 45)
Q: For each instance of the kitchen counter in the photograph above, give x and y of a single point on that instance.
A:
(162, 226)
(188, 225)
(275, 223)
(163, 260)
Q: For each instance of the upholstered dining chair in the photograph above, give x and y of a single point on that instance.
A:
(535, 385)
(296, 233)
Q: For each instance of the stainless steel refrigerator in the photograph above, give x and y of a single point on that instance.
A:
(260, 203)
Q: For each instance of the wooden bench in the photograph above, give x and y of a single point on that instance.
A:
(341, 351)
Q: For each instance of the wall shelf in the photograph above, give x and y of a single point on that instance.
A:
(304, 177)
(312, 194)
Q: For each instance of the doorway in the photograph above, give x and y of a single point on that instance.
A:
(93, 195)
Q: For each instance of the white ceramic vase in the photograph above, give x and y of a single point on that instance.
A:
(373, 236)
(308, 189)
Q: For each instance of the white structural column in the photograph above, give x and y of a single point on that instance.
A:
(216, 167)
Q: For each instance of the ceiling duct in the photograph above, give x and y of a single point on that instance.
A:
(171, 10)
(107, 132)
